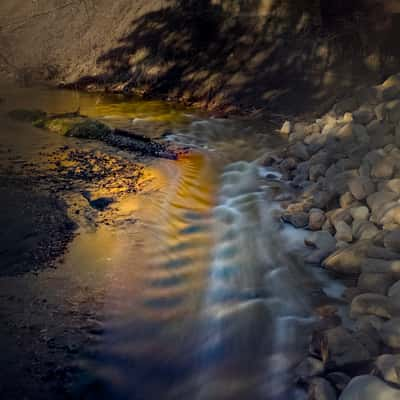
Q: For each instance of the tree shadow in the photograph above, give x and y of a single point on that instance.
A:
(273, 54)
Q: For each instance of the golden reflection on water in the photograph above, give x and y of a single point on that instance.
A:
(179, 235)
(149, 110)
(154, 114)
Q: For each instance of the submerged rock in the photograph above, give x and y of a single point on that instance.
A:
(323, 243)
(101, 203)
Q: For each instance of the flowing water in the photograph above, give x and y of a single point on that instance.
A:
(203, 293)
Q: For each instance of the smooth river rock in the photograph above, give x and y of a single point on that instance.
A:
(394, 291)
(297, 219)
(316, 219)
(359, 213)
(392, 186)
(383, 169)
(343, 232)
(348, 260)
(389, 367)
(381, 252)
(375, 283)
(377, 266)
(323, 243)
(378, 199)
(343, 348)
(392, 240)
(321, 389)
(390, 333)
(390, 216)
(361, 187)
(362, 229)
(286, 128)
(339, 380)
(367, 387)
(309, 368)
(374, 304)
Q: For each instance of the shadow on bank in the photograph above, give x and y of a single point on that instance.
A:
(256, 54)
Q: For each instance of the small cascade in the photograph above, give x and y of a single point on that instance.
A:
(215, 308)
(255, 313)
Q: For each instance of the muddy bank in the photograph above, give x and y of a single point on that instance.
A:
(223, 55)
(59, 206)
(42, 201)
(38, 228)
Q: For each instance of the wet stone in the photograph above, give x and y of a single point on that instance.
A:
(338, 379)
(344, 349)
(297, 219)
(374, 283)
(367, 387)
(388, 366)
(374, 304)
(316, 219)
(101, 203)
(349, 260)
(309, 368)
(321, 389)
(343, 232)
(361, 187)
(392, 240)
(390, 333)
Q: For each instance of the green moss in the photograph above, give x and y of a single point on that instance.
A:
(80, 127)
(89, 129)
(58, 125)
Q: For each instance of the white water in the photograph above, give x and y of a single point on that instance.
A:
(253, 285)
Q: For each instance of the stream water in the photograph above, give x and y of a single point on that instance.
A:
(201, 293)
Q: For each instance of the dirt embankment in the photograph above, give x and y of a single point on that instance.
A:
(222, 54)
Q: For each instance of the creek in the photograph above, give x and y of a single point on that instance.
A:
(195, 289)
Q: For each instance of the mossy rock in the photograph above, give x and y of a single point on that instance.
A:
(80, 127)
(58, 125)
(90, 129)
(23, 115)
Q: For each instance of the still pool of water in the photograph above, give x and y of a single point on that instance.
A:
(201, 296)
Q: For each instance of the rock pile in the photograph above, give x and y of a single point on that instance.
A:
(345, 168)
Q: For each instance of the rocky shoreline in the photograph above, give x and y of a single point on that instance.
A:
(345, 169)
